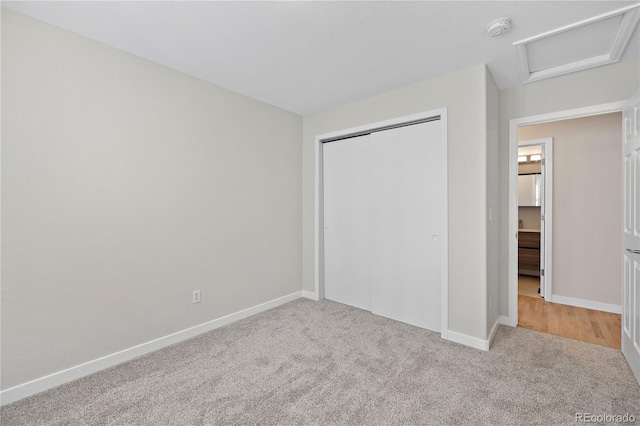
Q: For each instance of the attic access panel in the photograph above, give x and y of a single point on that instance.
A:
(586, 44)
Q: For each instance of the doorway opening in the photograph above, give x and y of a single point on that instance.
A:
(580, 296)
(535, 198)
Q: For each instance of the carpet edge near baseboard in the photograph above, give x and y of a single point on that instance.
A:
(67, 375)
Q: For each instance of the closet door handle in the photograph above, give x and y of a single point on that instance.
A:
(633, 251)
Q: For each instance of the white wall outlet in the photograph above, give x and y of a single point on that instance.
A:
(196, 296)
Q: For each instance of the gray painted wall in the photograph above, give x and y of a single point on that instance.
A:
(125, 186)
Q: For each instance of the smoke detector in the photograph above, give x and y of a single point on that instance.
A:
(498, 27)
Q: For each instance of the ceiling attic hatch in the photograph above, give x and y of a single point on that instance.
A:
(596, 41)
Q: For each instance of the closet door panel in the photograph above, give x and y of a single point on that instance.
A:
(347, 224)
(406, 224)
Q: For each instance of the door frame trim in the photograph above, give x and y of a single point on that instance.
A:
(514, 124)
(319, 208)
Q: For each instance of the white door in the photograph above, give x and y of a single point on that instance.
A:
(631, 235)
(347, 235)
(383, 224)
(543, 206)
(407, 225)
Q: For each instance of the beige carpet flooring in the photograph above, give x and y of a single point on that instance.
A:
(325, 363)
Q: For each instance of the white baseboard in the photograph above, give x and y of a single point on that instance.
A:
(580, 303)
(61, 377)
(464, 339)
(310, 295)
(492, 333)
(511, 322)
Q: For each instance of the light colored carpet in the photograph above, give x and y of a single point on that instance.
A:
(325, 363)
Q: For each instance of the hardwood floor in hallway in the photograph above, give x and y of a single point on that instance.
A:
(587, 325)
(528, 286)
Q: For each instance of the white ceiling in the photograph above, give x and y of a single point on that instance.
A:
(308, 56)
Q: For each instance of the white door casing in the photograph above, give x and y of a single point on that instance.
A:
(631, 234)
(543, 221)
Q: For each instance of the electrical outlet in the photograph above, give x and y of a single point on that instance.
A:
(196, 296)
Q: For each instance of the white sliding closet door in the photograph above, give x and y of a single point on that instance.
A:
(406, 224)
(382, 215)
(347, 235)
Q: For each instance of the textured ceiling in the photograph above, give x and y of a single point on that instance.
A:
(308, 56)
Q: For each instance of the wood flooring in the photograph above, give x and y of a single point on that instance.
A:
(586, 325)
(528, 286)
